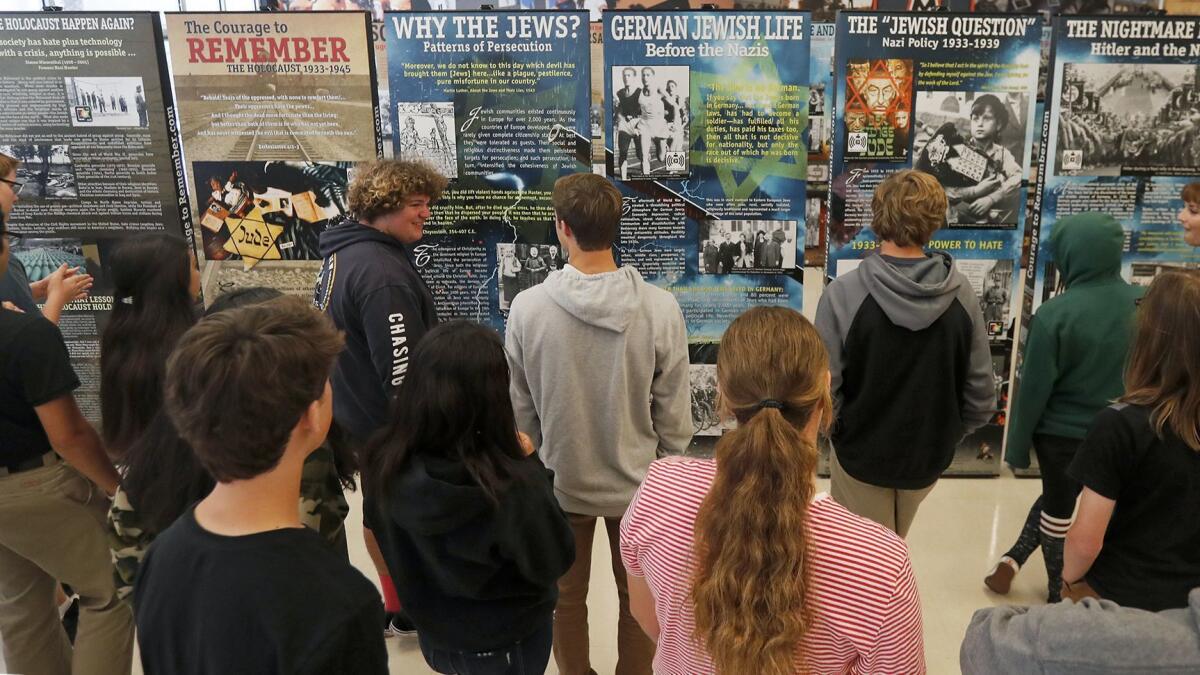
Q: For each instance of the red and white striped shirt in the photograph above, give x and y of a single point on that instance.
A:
(867, 615)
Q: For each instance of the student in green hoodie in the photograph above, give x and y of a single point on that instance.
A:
(1073, 364)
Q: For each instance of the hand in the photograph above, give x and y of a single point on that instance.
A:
(526, 443)
(11, 307)
(980, 208)
(989, 185)
(67, 284)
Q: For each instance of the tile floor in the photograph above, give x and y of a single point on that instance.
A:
(961, 529)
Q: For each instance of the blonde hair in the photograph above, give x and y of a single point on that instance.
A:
(1164, 361)
(908, 207)
(752, 579)
(8, 164)
(383, 186)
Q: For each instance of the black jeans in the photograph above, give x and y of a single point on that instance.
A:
(1059, 491)
(528, 656)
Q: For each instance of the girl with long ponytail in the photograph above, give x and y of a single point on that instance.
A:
(736, 564)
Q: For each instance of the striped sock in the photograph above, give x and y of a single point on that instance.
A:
(1054, 527)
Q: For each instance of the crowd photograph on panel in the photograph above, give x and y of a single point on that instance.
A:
(435, 385)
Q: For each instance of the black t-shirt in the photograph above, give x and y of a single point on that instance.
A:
(34, 369)
(14, 288)
(1151, 554)
(272, 602)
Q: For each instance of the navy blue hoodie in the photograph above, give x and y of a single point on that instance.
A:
(370, 287)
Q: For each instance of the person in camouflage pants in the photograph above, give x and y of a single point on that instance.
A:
(323, 508)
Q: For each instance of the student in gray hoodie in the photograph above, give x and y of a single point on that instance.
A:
(1089, 637)
(909, 359)
(599, 366)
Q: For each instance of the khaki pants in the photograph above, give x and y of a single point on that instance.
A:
(52, 528)
(635, 651)
(890, 507)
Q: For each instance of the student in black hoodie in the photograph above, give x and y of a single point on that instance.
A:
(370, 287)
(467, 517)
(908, 356)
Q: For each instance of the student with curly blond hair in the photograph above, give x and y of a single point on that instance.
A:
(736, 564)
(908, 350)
(370, 287)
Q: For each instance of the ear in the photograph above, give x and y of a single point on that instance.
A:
(311, 417)
(563, 230)
(317, 415)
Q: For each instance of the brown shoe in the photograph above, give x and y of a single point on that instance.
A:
(1000, 580)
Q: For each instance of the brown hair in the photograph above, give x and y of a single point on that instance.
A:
(751, 584)
(591, 206)
(383, 186)
(239, 381)
(1191, 192)
(1164, 361)
(7, 164)
(908, 207)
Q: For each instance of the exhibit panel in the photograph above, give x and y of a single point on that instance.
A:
(706, 137)
(952, 95)
(499, 104)
(274, 112)
(818, 140)
(379, 49)
(88, 113)
(1122, 136)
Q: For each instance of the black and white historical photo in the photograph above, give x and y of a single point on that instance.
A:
(427, 134)
(46, 171)
(1053, 283)
(747, 246)
(107, 102)
(974, 144)
(812, 221)
(41, 257)
(819, 124)
(991, 281)
(650, 121)
(1129, 118)
(523, 266)
(824, 11)
(706, 413)
(290, 277)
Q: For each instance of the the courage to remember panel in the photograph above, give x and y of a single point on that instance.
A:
(499, 104)
(84, 110)
(274, 111)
